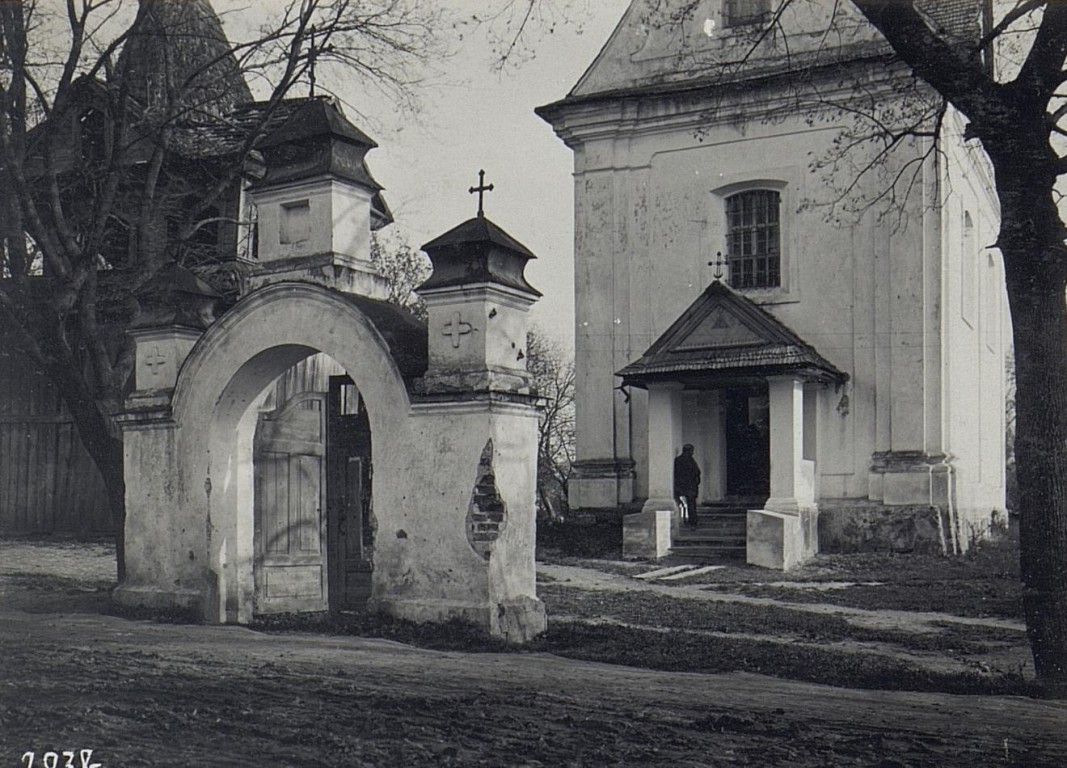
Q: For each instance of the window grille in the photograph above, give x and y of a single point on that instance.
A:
(753, 239)
(739, 13)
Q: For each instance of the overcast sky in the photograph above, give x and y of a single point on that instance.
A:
(480, 118)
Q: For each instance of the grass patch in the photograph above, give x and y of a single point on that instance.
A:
(452, 635)
(960, 598)
(656, 611)
(983, 583)
(682, 652)
(591, 538)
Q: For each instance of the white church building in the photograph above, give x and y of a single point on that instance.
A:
(831, 341)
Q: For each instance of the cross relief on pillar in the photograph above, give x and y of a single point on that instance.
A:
(457, 327)
(155, 360)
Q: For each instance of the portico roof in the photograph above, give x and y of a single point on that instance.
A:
(725, 336)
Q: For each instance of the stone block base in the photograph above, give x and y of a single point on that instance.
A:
(158, 599)
(516, 622)
(848, 525)
(780, 540)
(647, 534)
(601, 483)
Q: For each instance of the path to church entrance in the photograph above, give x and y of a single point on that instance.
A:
(148, 694)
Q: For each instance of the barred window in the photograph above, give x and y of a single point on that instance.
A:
(738, 13)
(753, 239)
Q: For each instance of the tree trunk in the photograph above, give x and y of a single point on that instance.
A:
(97, 435)
(1036, 291)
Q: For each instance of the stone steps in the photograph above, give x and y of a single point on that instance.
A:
(720, 534)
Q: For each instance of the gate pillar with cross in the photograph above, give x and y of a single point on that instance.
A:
(477, 390)
(477, 299)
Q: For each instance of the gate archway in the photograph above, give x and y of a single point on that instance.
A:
(227, 374)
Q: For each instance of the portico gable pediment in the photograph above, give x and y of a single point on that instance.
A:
(720, 327)
(723, 333)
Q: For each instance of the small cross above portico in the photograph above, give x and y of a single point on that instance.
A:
(481, 189)
(455, 328)
(719, 263)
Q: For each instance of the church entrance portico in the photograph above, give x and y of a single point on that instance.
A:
(730, 379)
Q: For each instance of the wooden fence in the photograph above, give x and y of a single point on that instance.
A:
(48, 483)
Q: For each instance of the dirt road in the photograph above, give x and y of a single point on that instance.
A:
(143, 694)
(146, 694)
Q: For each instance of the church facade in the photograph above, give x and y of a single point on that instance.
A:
(822, 319)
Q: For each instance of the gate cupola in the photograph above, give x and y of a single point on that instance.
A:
(477, 299)
(317, 203)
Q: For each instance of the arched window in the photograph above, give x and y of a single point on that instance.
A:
(753, 239)
(969, 272)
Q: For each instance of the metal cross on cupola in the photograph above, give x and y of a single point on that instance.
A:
(481, 189)
(314, 51)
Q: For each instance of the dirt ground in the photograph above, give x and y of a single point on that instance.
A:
(147, 694)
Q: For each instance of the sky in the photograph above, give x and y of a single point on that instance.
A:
(475, 117)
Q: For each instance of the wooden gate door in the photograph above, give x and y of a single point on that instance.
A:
(290, 572)
(348, 492)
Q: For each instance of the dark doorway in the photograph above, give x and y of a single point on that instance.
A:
(748, 453)
(350, 529)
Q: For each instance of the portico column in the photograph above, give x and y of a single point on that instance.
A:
(786, 400)
(664, 437)
(786, 531)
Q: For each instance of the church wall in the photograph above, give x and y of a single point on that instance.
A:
(668, 223)
(975, 337)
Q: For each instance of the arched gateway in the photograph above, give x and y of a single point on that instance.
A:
(447, 405)
(442, 427)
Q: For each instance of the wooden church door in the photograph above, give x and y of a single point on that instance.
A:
(289, 559)
(348, 492)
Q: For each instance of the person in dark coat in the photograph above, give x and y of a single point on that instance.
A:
(687, 482)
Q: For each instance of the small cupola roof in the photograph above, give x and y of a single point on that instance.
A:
(478, 251)
(175, 296)
(316, 116)
(311, 137)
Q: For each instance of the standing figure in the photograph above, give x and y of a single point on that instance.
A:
(687, 482)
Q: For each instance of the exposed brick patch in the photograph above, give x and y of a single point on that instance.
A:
(487, 513)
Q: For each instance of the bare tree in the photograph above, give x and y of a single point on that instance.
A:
(405, 269)
(1019, 122)
(552, 370)
(122, 143)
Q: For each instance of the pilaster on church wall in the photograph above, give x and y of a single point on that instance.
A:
(908, 326)
(632, 406)
(594, 287)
